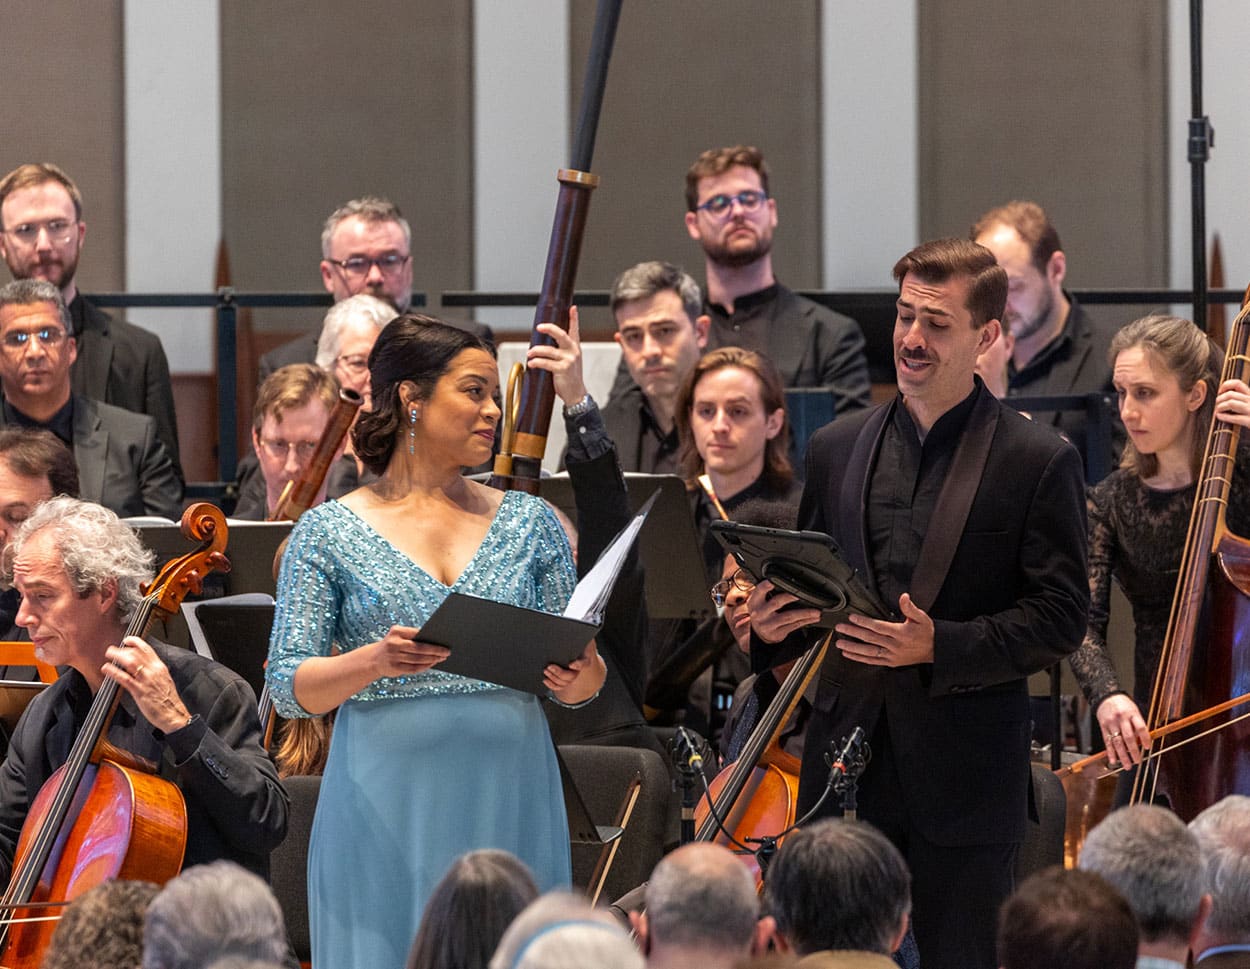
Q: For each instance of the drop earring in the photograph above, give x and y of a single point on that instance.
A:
(412, 431)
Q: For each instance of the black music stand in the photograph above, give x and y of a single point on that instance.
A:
(671, 549)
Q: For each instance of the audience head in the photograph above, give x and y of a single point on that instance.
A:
(36, 348)
(470, 909)
(81, 550)
(292, 411)
(660, 327)
(366, 246)
(102, 928)
(731, 417)
(1027, 246)
(702, 908)
(1223, 833)
(210, 912)
(41, 227)
(839, 885)
(348, 332)
(736, 583)
(1146, 853)
(562, 931)
(407, 366)
(34, 466)
(1066, 918)
(729, 211)
(1166, 372)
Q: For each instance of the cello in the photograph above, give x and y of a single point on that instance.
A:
(103, 814)
(1202, 665)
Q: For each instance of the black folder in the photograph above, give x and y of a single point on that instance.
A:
(502, 643)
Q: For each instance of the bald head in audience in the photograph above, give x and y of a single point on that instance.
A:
(702, 909)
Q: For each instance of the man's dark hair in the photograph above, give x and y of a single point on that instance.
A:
(1066, 918)
(943, 259)
(102, 928)
(838, 885)
(717, 161)
(40, 454)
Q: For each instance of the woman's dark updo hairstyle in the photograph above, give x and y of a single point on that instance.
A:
(411, 347)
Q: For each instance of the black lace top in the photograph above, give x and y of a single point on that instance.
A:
(1136, 536)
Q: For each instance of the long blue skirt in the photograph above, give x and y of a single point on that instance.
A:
(411, 784)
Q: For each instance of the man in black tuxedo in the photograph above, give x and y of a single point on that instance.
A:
(118, 363)
(969, 521)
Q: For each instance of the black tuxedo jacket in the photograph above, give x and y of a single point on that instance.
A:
(1002, 574)
(124, 365)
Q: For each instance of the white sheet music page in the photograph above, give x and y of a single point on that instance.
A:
(590, 597)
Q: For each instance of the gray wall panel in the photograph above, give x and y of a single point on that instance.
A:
(322, 103)
(1062, 102)
(63, 104)
(694, 75)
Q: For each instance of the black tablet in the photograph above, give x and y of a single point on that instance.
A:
(806, 564)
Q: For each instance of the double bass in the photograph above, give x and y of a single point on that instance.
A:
(1199, 714)
(104, 814)
(1204, 661)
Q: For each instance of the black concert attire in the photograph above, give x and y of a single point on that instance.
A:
(983, 524)
(236, 807)
(1074, 362)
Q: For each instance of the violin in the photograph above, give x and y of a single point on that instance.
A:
(104, 814)
(756, 796)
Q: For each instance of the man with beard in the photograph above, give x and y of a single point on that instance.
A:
(733, 216)
(1058, 348)
(41, 237)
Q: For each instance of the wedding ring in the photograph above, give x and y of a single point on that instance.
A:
(1113, 736)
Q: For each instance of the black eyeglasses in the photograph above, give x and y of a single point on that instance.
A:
(718, 205)
(740, 580)
(388, 265)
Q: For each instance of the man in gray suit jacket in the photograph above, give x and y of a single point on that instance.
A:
(121, 462)
(118, 363)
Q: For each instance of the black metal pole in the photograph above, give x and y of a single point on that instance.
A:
(1201, 140)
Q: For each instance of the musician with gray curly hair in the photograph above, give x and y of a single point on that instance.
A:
(79, 569)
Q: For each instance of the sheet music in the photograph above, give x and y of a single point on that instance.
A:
(590, 598)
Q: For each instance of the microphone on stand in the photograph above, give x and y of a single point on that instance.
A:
(687, 752)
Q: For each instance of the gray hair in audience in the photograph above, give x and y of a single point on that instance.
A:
(27, 292)
(838, 885)
(1223, 833)
(367, 208)
(361, 308)
(562, 931)
(649, 278)
(243, 962)
(703, 896)
(1154, 861)
(96, 548)
(210, 912)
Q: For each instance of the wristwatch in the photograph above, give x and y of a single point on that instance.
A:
(580, 408)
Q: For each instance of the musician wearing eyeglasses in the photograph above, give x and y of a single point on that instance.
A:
(41, 237)
(732, 215)
(366, 247)
(122, 463)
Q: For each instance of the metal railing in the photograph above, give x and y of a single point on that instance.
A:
(227, 301)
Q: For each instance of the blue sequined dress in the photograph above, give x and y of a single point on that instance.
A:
(426, 767)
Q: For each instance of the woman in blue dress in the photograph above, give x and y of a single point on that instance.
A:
(423, 765)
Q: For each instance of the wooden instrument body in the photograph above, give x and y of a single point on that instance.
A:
(1216, 765)
(765, 806)
(124, 823)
